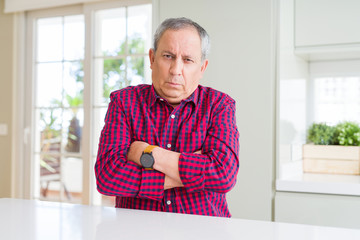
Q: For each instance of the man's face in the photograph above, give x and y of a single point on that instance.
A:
(176, 65)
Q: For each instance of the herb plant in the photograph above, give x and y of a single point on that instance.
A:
(348, 134)
(321, 134)
(344, 133)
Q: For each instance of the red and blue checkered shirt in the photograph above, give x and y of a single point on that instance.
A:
(205, 121)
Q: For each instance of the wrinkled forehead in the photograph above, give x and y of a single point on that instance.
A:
(185, 39)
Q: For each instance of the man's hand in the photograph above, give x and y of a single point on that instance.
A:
(171, 183)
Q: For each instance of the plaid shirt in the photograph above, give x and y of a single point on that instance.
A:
(205, 121)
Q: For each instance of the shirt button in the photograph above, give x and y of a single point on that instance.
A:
(169, 145)
(172, 116)
(161, 99)
(168, 202)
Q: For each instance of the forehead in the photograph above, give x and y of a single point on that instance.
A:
(182, 39)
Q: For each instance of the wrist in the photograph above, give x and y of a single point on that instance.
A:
(147, 159)
(135, 151)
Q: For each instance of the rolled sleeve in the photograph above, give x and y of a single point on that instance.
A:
(216, 169)
(152, 185)
(191, 171)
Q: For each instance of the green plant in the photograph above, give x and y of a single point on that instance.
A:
(321, 134)
(344, 133)
(115, 69)
(348, 134)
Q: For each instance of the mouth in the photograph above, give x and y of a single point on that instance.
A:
(174, 84)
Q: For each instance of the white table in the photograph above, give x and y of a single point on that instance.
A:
(28, 219)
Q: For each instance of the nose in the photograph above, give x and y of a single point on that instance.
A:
(176, 66)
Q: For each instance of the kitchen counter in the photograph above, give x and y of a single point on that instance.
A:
(31, 219)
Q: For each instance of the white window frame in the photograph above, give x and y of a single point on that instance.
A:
(23, 166)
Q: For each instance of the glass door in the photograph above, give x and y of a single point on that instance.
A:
(58, 108)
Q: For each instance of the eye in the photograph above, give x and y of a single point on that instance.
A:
(167, 56)
(189, 60)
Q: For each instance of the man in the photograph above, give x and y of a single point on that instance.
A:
(172, 146)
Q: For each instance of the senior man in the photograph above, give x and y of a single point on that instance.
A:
(171, 146)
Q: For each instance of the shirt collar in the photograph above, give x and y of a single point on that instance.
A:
(194, 97)
(153, 97)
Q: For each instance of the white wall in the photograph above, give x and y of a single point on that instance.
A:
(242, 64)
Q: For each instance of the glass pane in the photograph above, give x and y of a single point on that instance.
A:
(49, 168)
(49, 84)
(336, 99)
(72, 125)
(60, 179)
(49, 177)
(49, 39)
(72, 178)
(49, 129)
(111, 29)
(135, 71)
(99, 116)
(147, 71)
(74, 34)
(59, 108)
(112, 73)
(73, 84)
(139, 28)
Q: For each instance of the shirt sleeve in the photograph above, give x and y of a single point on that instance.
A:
(115, 175)
(217, 167)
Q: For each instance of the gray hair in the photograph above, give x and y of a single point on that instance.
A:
(181, 23)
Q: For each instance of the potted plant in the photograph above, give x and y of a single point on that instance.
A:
(332, 149)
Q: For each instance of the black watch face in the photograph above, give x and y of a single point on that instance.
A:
(147, 160)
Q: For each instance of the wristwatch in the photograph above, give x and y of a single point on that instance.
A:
(147, 159)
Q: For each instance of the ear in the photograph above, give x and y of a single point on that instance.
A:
(151, 57)
(204, 66)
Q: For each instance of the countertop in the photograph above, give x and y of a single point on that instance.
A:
(31, 219)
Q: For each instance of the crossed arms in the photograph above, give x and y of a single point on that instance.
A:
(212, 168)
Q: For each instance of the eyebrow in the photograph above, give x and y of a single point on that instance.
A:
(168, 52)
(173, 54)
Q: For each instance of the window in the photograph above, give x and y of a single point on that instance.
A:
(71, 77)
(330, 94)
(120, 59)
(336, 99)
(58, 107)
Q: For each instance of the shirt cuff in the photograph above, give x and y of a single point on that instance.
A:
(152, 185)
(192, 170)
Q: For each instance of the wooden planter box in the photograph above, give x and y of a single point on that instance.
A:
(331, 159)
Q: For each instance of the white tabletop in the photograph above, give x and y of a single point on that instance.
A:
(28, 219)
